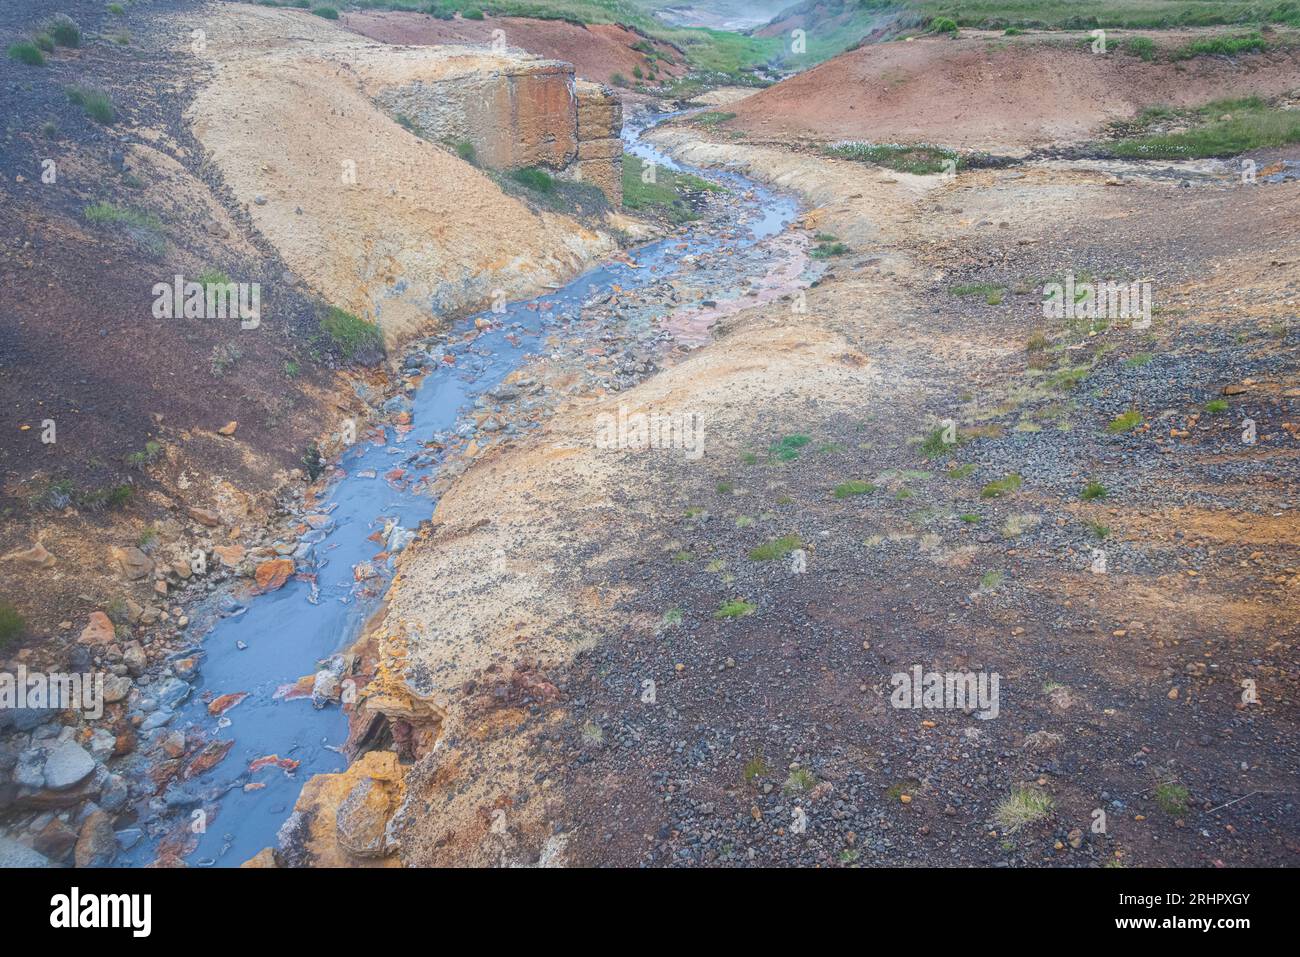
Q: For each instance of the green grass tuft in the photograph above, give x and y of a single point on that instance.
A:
(853, 487)
(787, 448)
(28, 53)
(1172, 798)
(108, 213)
(999, 487)
(97, 105)
(1024, 806)
(11, 625)
(1123, 423)
(734, 609)
(920, 158)
(355, 338)
(777, 548)
(1092, 491)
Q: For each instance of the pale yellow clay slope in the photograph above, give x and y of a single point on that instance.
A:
(377, 220)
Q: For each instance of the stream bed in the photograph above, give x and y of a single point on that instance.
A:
(273, 739)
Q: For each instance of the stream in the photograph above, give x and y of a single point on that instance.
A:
(259, 646)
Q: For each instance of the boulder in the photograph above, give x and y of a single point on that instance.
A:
(135, 659)
(56, 841)
(362, 819)
(98, 630)
(273, 574)
(204, 516)
(131, 563)
(97, 844)
(67, 765)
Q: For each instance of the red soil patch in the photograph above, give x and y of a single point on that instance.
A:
(597, 51)
(984, 93)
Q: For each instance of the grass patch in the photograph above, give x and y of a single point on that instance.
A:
(673, 616)
(1172, 798)
(787, 448)
(1093, 491)
(1016, 525)
(1098, 529)
(828, 248)
(755, 768)
(1219, 129)
(853, 487)
(777, 548)
(1220, 46)
(734, 609)
(921, 159)
(28, 53)
(661, 194)
(933, 445)
(64, 30)
(992, 579)
(110, 497)
(12, 625)
(101, 213)
(799, 781)
(1003, 486)
(146, 456)
(96, 104)
(534, 178)
(1063, 380)
(1123, 423)
(712, 118)
(1138, 361)
(1022, 807)
(971, 518)
(328, 13)
(961, 471)
(1215, 406)
(1143, 48)
(984, 289)
(355, 339)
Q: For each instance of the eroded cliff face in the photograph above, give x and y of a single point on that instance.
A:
(514, 114)
(299, 120)
(518, 112)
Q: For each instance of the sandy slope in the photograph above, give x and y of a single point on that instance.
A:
(420, 233)
(995, 93)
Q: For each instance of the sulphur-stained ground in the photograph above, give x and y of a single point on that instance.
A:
(646, 659)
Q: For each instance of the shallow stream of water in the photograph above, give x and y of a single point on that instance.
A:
(262, 645)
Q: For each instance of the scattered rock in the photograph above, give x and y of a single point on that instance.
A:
(97, 844)
(273, 574)
(67, 765)
(35, 557)
(131, 563)
(98, 630)
(204, 516)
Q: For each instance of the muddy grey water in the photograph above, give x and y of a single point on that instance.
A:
(263, 644)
